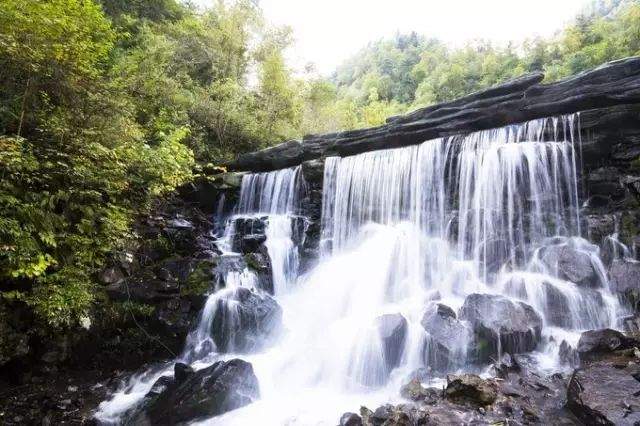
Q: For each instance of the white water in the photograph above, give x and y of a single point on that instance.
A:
(402, 228)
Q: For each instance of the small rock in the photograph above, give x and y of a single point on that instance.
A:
(416, 392)
(471, 388)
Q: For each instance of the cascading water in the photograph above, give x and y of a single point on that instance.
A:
(411, 236)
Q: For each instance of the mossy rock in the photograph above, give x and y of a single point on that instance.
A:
(200, 279)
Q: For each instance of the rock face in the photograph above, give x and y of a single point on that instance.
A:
(601, 394)
(392, 329)
(572, 265)
(447, 338)
(500, 324)
(222, 387)
(243, 321)
(519, 100)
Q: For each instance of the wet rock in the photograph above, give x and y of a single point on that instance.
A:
(260, 263)
(181, 372)
(506, 365)
(572, 265)
(600, 394)
(244, 320)
(471, 388)
(625, 280)
(414, 391)
(500, 323)
(447, 338)
(350, 419)
(568, 355)
(599, 227)
(594, 342)
(222, 387)
(251, 243)
(392, 329)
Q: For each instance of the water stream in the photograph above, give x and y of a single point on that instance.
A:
(403, 230)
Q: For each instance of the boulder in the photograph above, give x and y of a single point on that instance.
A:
(500, 325)
(447, 339)
(392, 329)
(350, 419)
(601, 394)
(221, 387)
(571, 264)
(244, 320)
(594, 342)
(471, 388)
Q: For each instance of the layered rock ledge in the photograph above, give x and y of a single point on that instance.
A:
(613, 85)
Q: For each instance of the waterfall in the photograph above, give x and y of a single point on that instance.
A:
(407, 236)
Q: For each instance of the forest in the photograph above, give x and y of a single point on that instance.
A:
(106, 106)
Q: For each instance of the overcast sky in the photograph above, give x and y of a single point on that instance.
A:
(329, 31)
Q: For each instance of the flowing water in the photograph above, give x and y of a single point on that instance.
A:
(403, 229)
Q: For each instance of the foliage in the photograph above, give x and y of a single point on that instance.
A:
(411, 71)
(106, 105)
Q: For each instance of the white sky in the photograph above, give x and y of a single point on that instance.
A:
(329, 31)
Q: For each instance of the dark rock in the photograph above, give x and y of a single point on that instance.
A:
(392, 329)
(568, 355)
(383, 414)
(313, 171)
(350, 419)
(245, 320)
(448, 338)
(182, 372)
(222, 387)
(251, 243)
(625, 280)
(499, 322)
(280, 156)
(594, 342)
(471, 388)
(260, 263)
(572, 265)
(600, 394)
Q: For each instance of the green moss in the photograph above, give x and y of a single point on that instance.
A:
(200, 279)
